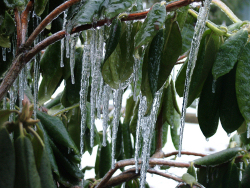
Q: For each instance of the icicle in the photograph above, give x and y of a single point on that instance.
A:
(99, 99)
(147, 136)
(67, 45)
(13, 97)
(214, 86)
(198, 32)
(36, 79)
(9, 49)
(4, 54)
(240, 170)
(140, 123)
(73, 40)
(135, 72)
(21, 88)
(84, 91)
(4, 103)
(248, 130)
(63, 41)
(196, 107)
(105, 110)
(117, 109)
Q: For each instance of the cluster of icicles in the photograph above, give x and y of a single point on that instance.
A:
(93, 55)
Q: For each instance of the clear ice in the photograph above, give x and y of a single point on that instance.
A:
(105, 109)
(4, 54)
(198, 32)
(73, 40)
(63, 40)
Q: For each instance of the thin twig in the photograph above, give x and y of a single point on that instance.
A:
(12, 75)
(184, 153)
(24, 19)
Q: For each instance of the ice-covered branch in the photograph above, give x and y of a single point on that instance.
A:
(184, 153)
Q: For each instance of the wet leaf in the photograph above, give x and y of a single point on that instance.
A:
(208, 108)
(152, 24)
(228, 53)
(242, 84)
(218, 158)
(230, 116)
(4, 116)
(39, 6)
(189, 179)
(116, 7)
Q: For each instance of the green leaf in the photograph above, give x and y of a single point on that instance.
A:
(8, 26)
(71, 91)
(182, 14)
(119, 66)
(26, 172)
(127, 143)
(39, 6)
(218, 158)
(67, 165)
(57, 131)
(130, 103)
(242, 84)
(230, 116)
(191, 170)
(5, 41)
(231, 178)
(51, 71)
(37, 147)
(133, 122)
(228, 53)
(189, 179)
(152, 24)
(171, 51)
(85, 14)
(104, 160)
(208, 108)
(4, 116)
(116, 7)
(114, 38)
(174, 130)
(7, 159)
(154, 61)
(49, 151)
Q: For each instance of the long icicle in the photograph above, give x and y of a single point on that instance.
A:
(140, 123)
(198, 32)
(63, 40)
(105, 110)
(84, 90)
(73, 40)
(117, 109)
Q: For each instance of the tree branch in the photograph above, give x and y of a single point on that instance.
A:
(18, 30)
(185, 153)
(18, 65)
(24, 20)
(127, 162)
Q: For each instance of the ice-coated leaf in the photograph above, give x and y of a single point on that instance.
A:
(119, 66)
(228, 53)
(51, 71)
(152, 24)
(218, 158)
(85, 14)
(242, 83)
(8, 25)
(116, 7)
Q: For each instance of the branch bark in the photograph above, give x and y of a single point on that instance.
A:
(29, 54)
(18, 30)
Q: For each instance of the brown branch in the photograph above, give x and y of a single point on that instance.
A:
(127, 162)
(185, 153)
(18, 65)
(49, 18)
(24, 19)
(18, 30)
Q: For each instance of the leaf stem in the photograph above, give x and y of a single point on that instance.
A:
(210, 24)
(66, 109)
(36, 135)
(226, 10)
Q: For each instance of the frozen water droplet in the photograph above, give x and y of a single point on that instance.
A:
(214, 86)
(228, 134)
(240, 171)
(207, 139)
(198, 32)
(4, 54)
